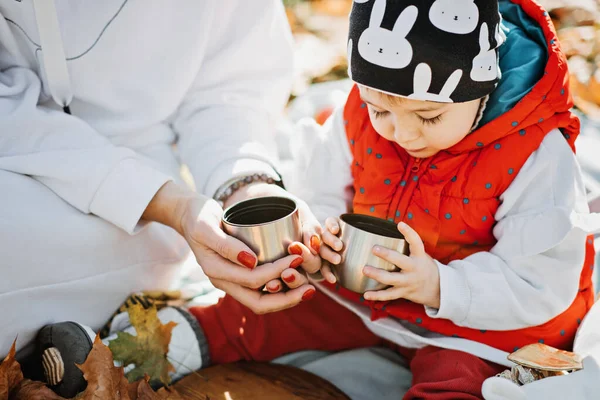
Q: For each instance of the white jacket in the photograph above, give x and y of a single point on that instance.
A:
(207, 75)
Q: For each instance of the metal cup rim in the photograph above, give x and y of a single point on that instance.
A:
(380, 221)
(243, 203)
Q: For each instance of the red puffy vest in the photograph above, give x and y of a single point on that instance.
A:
(450, 199)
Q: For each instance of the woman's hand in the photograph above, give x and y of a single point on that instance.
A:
(291, 278)
(314, 263)
(294, 277)
(418, 279)
(228, 263)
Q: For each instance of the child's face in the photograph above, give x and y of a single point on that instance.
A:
(422, 128)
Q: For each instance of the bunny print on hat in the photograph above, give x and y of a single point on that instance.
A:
(422, 81)
(485, 65)
(433, 50)
(454, 16)
(383, 47)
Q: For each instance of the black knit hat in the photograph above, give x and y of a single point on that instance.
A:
(442, 50)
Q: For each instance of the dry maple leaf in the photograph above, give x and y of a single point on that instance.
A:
(148, 349)
(104, 380)
(141, 390)
(10, 373)
(133, 388)
(167, 393)
(33, 390)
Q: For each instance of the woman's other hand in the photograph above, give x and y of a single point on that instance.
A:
(226, 261)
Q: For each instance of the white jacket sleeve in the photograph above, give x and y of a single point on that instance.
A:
(532, 274)
(65, 153)
(226, 122)
(321, 171)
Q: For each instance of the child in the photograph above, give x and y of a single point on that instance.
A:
(459, 130)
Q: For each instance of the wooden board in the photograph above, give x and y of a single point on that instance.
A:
(253, 380)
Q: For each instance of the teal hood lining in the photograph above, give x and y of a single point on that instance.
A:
(523, 58)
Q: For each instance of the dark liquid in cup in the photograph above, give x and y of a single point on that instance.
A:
(373, 225)
(259, 211)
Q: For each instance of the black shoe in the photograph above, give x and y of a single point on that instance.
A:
(59, 347)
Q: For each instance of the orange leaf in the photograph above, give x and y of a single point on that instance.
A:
(33, 390)
(10, 373)
(145, 392)
(166, 393)
(104, 380)
(133, 387)
(141, 390)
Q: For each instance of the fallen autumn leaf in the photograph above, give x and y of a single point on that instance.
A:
(148, 349)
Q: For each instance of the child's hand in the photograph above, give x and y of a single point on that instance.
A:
(418, 279)
(333, 243)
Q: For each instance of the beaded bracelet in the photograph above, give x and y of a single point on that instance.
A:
(231, 186)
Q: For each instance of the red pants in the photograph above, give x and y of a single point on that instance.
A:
(236, 333)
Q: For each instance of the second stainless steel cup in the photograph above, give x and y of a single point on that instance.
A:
(359, 233)
(266, 224)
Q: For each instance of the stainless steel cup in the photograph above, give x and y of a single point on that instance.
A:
(266, 224)
(359, 233)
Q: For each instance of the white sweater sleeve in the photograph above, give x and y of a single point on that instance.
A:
(532, 274)
(321, 174)
(65, 153)
(226, 122)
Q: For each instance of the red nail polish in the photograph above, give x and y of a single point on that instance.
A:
(274, 288)
(289, 279)
(246, 259)
(309, 294)
(296, 249)
(315, 243)
(297, 262)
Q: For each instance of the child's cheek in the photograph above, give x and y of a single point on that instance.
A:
(383, 128)
(445, 135)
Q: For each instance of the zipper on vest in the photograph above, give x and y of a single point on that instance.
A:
(416, 165)
(411, 177)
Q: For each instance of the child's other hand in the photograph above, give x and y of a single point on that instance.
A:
(418, 279)
(332, 241)
(332, 246)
